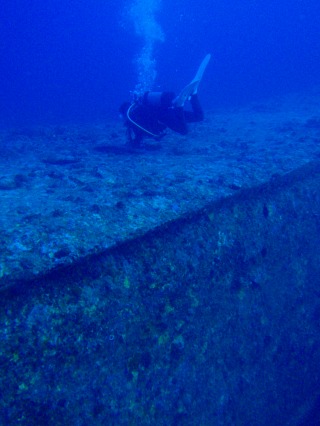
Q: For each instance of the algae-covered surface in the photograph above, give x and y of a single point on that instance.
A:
(210, 320)
(70, 191)
(209, 316)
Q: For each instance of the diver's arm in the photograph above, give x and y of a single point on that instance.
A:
(134, 136)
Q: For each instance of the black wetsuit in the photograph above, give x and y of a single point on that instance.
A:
(144, 119)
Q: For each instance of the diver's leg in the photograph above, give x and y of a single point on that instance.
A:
(197, 111)
(176, 121)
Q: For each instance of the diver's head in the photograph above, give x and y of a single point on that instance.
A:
(124, 109)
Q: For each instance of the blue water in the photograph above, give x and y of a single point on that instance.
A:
(76, 60)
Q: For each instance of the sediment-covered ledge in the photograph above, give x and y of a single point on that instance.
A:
(210, 319)
(69, 191)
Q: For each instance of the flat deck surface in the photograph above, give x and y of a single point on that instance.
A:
(70, 191)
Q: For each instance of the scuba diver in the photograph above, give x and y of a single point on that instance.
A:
(153, 112)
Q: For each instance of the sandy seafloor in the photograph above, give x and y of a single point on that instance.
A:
(69, 191)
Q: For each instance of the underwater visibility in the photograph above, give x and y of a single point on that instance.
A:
(160, 213)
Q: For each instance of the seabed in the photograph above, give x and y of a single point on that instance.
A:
(177, 284)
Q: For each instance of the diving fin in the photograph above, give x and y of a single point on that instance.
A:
(192, 88)
(185, 94)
